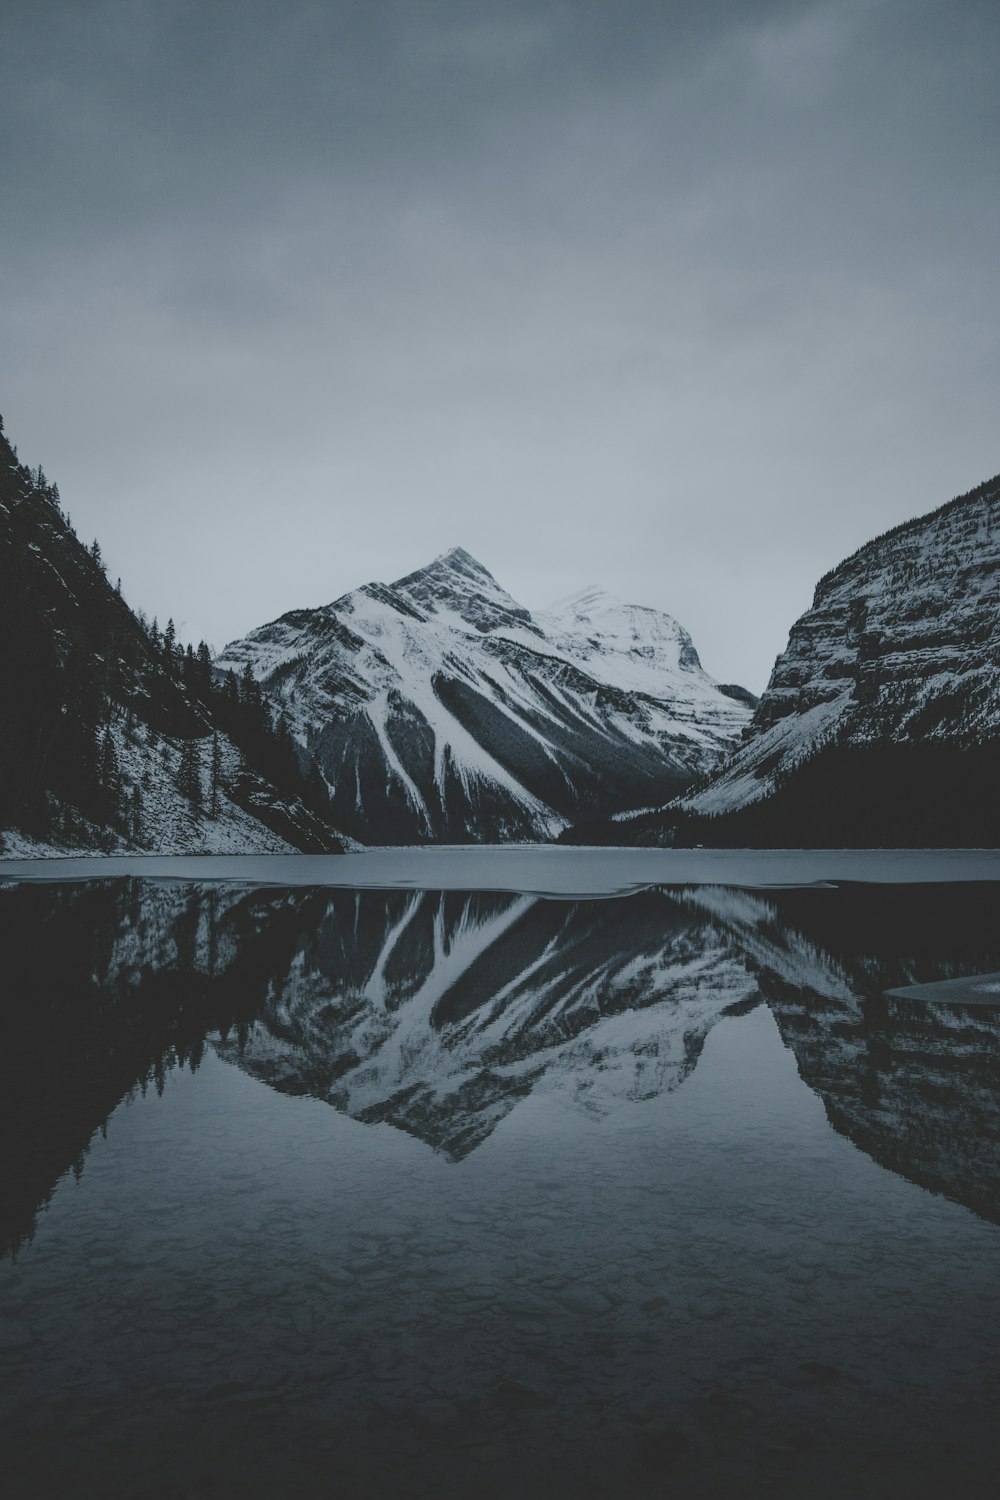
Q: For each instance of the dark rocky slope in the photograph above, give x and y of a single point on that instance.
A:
(881, 722)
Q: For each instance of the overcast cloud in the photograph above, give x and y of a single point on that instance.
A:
(687, 299)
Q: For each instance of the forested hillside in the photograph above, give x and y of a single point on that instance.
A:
(112, 735)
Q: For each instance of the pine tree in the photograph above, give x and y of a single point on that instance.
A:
(189, 773)
(170, 648)
(204, 670)
(110, 777)
(249, 688)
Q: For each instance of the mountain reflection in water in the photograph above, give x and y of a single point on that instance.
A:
(436, 1013)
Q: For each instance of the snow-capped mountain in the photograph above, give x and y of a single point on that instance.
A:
(901, 643)
(881, 719)
(438, 708)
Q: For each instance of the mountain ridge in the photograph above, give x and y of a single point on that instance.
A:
(439, 708)
(881, 719)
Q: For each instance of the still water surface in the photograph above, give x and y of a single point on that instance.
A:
(361, 1193)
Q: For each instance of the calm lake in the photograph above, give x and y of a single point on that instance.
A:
(504, 1174)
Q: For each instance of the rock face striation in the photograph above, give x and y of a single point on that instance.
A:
(881, 719)
(440, 709)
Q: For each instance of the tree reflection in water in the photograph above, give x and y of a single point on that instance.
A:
(437, 1012)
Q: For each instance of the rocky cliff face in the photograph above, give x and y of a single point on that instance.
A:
(438, 708)
(881, 721)
(901, 646)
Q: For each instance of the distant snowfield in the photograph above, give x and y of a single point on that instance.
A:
(541, 870)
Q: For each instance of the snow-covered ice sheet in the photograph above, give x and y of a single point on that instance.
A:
(535, 869)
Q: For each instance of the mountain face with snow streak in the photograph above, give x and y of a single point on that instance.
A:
(881, 721)
(440, 709)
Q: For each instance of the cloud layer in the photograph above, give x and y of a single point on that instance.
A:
(689, 300)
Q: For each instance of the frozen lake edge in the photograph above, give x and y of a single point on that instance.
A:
(544, 869)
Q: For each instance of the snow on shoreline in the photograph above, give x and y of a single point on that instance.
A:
(545, 870)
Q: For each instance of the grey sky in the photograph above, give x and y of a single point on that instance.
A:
(687, 299)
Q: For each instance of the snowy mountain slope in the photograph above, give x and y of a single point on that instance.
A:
(111, 737)
(438, 708)
(625, 644)
(880, 726)
(250, 816)
(901, 646)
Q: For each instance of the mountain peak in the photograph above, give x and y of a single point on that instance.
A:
(454, 568)
(457, 557)
(611, 626)
(456, 583)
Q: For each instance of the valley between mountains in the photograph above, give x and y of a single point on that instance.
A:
(438, 709)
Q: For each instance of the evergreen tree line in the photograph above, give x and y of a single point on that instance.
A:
(877, 796)
(239, 709)
(81, 675)
(988, 489)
